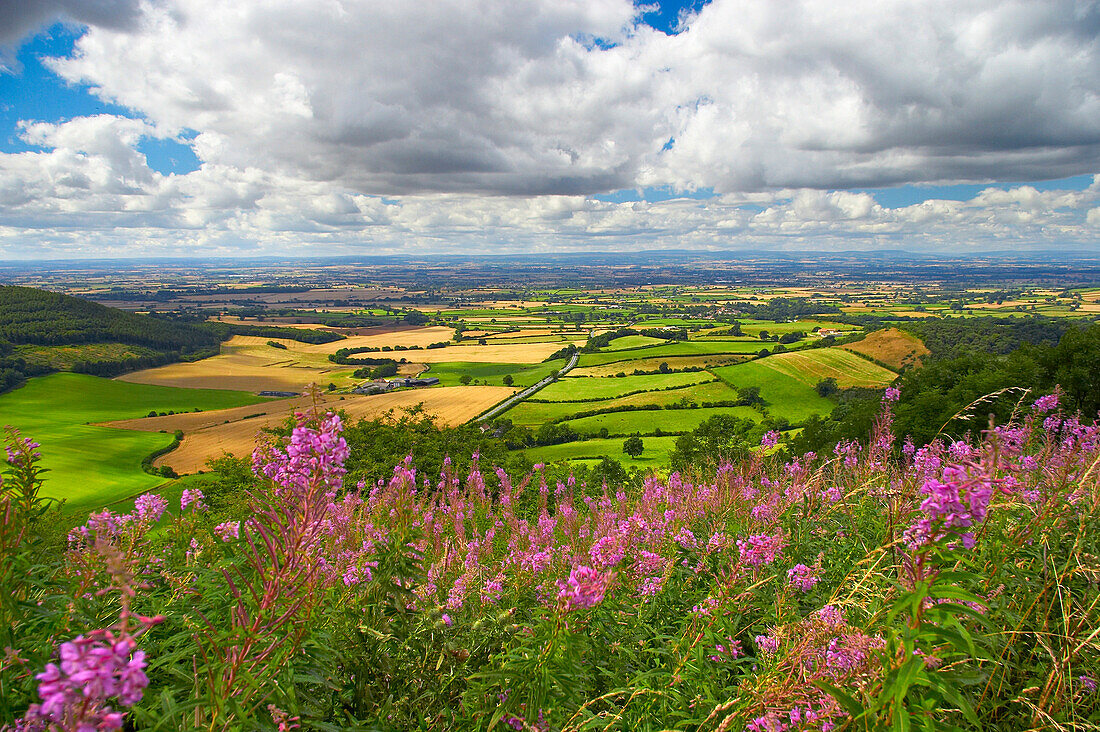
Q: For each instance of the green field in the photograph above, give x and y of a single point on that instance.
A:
(607, 387)
(683, 348)
(450, 372)
(788, 393)
(645, 422)
(654, 455)
(633, 341)
(94, 466)
(534, 413)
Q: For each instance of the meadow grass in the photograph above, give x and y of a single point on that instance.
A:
(449, 373)
(645, 422)
(93, 466)
(633, 341)
(533, 413)
(588, 388)
(654, 454)
(786, 396)
(683, 348)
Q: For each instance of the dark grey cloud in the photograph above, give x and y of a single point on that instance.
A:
(20, 18)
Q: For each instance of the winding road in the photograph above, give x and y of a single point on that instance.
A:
(511, 401)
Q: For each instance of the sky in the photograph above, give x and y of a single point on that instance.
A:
(166, 128)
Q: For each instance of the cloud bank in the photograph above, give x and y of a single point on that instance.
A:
(362, 126)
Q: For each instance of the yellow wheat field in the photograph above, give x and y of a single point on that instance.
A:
(235, 431)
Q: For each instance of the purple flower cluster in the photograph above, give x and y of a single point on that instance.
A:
(77, 693)
(585, 588)
(228, 530)
(150, 507)
(1046, 403)
(192, 497)
(802, 577)
(760, 550)
(952, 506)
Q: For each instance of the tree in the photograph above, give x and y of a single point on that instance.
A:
(663, 368)
(508, 380)
(465, 379)
(827, 387)
(632, 446)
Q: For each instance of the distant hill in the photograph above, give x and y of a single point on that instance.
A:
(43, 331)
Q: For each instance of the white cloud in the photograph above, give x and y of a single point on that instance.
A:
(369, 125)
(505, 98)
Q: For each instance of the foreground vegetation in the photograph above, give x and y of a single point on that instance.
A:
(881, 586)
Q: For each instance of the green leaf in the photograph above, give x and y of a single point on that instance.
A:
(853, 707)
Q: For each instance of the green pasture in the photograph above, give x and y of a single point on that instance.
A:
(532, 414)
(675, 363)
(682, 348)
(849, 369)
(645, 422)
(93, 466)
(450, 373)
(753, 327)
(786, 395)
(608, 387)
(633, 341)
(654, 455)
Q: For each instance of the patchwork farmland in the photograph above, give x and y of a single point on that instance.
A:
(654, 363)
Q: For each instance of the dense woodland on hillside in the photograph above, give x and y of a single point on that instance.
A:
(30, 316)
(983, 369)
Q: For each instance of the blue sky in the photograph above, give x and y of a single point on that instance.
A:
(184, 127)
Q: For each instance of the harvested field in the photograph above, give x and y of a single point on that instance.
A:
(525, 333)
(208, 434)
(248, 363)
(812, 366)
(891, 346)
(493, 353)
(387, 337)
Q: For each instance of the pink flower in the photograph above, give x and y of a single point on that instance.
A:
(150, 507)
(228, 530)
(192, 497)
(1046, 403)
(93, 669)
(767, 644)
(760, 549)
(802, 577)
(585, 588)
(770, 439)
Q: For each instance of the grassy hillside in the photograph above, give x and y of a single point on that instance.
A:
(93, 466)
